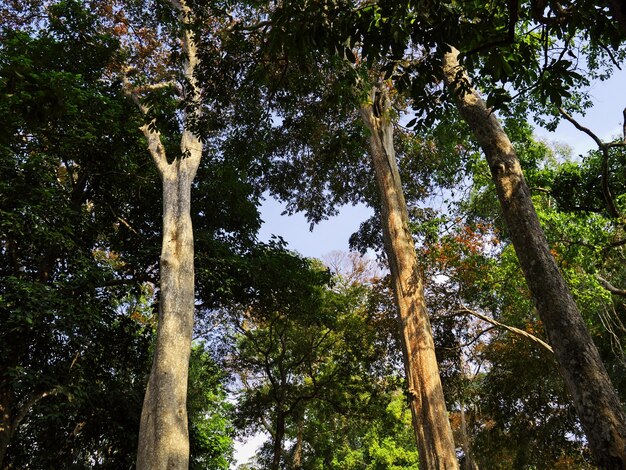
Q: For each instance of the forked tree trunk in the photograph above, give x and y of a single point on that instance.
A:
(163, 432)
(163, 435)
(596, 401)
(428, 408)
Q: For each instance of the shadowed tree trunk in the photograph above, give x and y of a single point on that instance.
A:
(428, 408)
(279, 436)
(596, 401)
(297, 451)
(6, 421)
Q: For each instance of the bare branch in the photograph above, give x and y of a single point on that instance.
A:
(604, 148)
(237, 25)
(30, 402)
(157, 86)
(512, 329)
(582, 128)
(541, 190)
(608, 286)
(156, 148)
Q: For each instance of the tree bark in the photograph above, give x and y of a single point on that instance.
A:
(6, 421)
(428, 408)
(279, 435)
(163, 431)
(296, 461)
(595, 399)
(163, 435)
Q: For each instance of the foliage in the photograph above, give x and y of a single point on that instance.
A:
(79, 226)
(79, 230)
(310, 371)
(210, 420)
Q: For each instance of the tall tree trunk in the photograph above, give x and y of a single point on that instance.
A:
(428, 408)
(596, 401)
(163, 432)
(163, 435)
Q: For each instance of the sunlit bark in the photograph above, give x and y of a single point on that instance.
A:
(428, 408)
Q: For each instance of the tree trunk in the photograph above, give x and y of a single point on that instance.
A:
(163, 437)
(163, 432)
(6, 421)
(279, 435)
(596, 401)
(428, 408)
(466, 444)
(297, 451)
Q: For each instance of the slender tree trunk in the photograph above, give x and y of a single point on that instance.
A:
(279, 435)
(468, 461)
(428, 408)
(6, 421)
(297, 452)
(596, 401)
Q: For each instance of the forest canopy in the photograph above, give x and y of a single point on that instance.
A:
(478, 320)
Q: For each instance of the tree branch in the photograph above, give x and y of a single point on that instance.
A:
(582, 128)
(30, 402)
(608, 286)
(512, 329)
(604, 148)
(156, 148)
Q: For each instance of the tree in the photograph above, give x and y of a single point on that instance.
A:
(594, 397)
(64, 291)
(416, 27)
(210, 415)
(341, 88)
(83, 257)
(164, 438)
(428, 406)
(322, 367)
